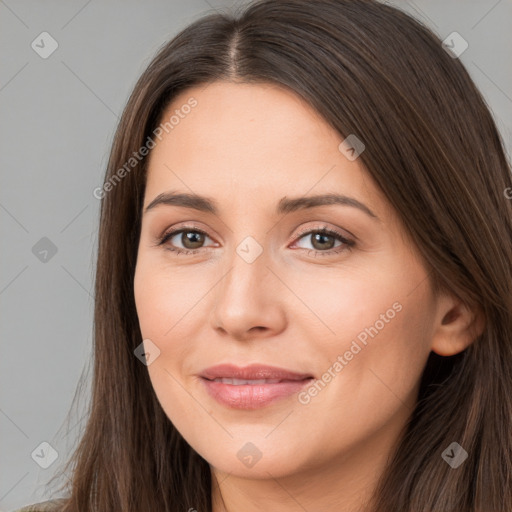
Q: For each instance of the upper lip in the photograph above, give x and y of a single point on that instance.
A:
(251, 372)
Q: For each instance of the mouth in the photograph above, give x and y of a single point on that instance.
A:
(252, 387)
(253, 382)
(252, 373)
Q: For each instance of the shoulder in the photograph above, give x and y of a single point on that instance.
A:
(43, 506)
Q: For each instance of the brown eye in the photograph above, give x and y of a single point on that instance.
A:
(324, 241)
(192, 239)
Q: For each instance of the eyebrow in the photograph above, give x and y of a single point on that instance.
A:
(285, 205)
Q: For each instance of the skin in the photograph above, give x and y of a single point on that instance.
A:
(246, 146)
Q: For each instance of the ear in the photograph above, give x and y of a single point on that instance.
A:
(456, 327)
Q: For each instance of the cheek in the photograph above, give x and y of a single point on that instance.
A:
(165, 298)
(383, 355)
(152, 303)
(371, 331)
(333, 306)
(370, 376)
(160, 307)
(168, 304)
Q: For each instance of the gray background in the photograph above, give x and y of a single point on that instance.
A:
(58, 118)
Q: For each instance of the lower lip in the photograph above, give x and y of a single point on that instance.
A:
(252, 396)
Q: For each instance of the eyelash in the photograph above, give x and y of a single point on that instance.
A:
(348, 244)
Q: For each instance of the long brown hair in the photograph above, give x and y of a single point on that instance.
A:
(434, 151)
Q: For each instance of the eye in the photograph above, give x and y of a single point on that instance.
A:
(190, 237)
(324, 239)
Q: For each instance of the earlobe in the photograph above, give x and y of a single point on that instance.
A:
(457, 326)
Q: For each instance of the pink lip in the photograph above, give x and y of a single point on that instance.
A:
(252, 396)
(253, 371)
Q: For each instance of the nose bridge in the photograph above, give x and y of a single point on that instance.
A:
(247, 269)
(245, 298)
(249, 250)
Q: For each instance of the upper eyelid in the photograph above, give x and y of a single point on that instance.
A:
(337, 231)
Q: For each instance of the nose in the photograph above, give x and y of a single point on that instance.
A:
(249, 300)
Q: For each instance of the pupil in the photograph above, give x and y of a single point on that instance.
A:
(192, 237)
(321, 238)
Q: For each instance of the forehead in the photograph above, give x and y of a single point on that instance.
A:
(252, 140)
(235, 118)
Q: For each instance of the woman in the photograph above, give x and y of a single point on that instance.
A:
(237, 368)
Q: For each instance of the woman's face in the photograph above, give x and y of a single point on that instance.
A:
(356, 316)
